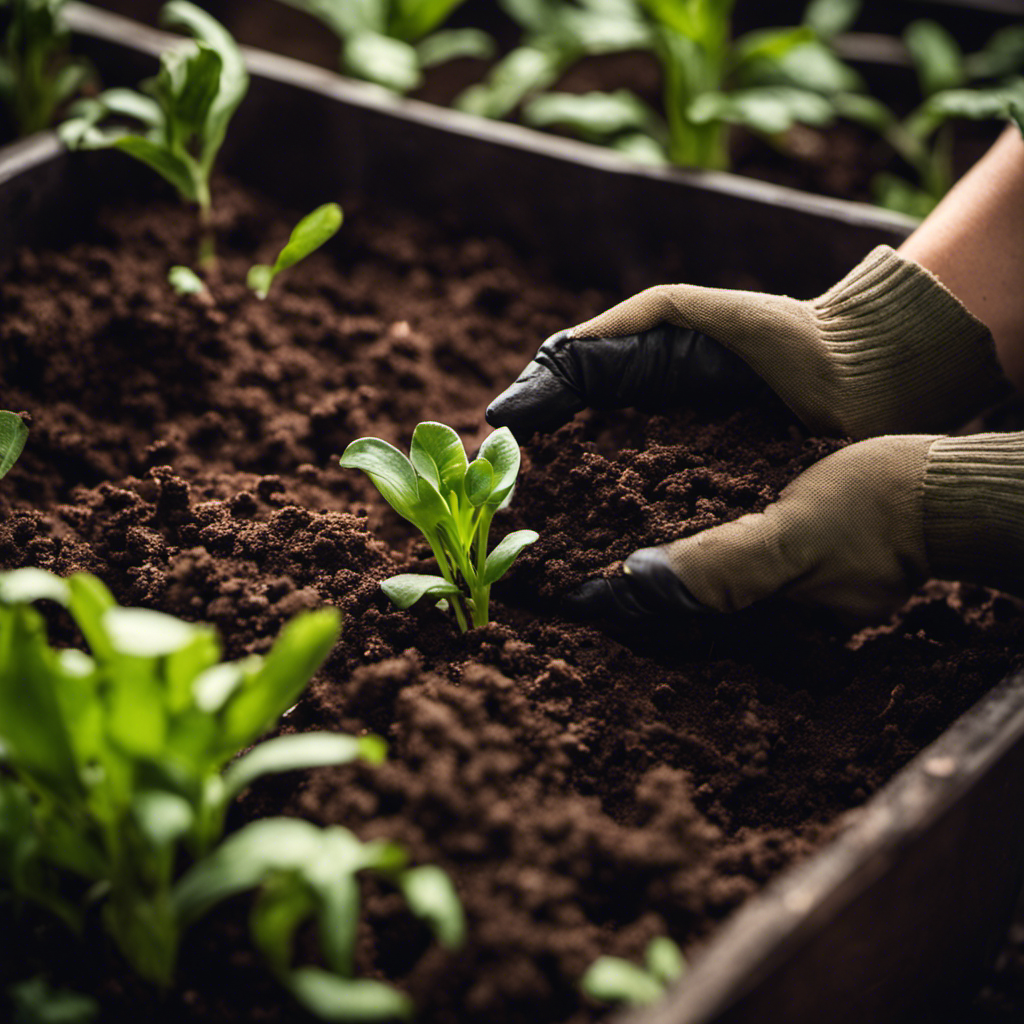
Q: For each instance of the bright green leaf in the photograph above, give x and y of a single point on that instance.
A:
(937, 56)
(405, 590)
(13, 435)
(308, 235)
(432, 897)
(500, 560)
(377, 58)
(21, 586)
(452, 44)
(479, 482)
(665, 960)
(614, 980)
(162, 817)
(391, 472)
(185, 281)
(501, 450)
(348, 1000)
(143, 633)
(438, 455)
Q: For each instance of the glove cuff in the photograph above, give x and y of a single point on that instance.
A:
(974, 509)
(907, 355)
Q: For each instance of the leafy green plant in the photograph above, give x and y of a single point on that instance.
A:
(185, 281)
(612, 979)
(184, 112)
(114, 770)
(452, 502)
(37, 75)
(35, 1001)
(767, 80)
(13, 435)
(980, 86)
(390, 42)
(309, 234)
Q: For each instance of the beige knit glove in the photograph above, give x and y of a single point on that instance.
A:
(888, 349)
(857, 533)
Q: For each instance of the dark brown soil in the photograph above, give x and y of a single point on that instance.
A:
(586, 789)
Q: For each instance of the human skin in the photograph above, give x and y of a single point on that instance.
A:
(973, 241)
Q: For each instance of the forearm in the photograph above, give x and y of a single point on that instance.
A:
(974, 243)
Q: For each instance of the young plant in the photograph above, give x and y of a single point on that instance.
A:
(981, 86)
(767, 80)
(390, 42)
(612, 979)
(184, 112)
(309, 234)
(556, 35)
(13, 435)
(37, 76)
(452, 502)
(114, 760)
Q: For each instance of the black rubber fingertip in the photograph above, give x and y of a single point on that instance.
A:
(590, 600)
(657, 585)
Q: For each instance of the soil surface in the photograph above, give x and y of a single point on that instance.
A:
(586, 788)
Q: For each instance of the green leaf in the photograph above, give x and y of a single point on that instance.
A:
(937, 56)
(1003, 54)
(185, 281)
(283, 904)
(308, 235)
(500, 560)
(524, 71)
(300, 751)
(770, 44)
(170, 167)
(431, 896)
(772, 109)
(597, 116)
(377, 58)
(502, 452)
(665, 960)
(411, 19)
(36, 1002)
(22, 586)
(163, 817)
(143, 633)
(614, 980)
(128, 103)
(405, 590)
(438, 455)
(479, 482)
(90, 601)
(300, 649)
(453, 44)
(348, 1000)
(200, 85)
(828, 18)
(13, 435)
(391, 472)
(864, 110)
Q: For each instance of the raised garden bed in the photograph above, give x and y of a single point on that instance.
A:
(585, 789)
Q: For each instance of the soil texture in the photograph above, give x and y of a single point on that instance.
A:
(586, 788)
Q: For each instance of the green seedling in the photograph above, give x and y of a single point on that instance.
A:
(979, 87)
(768, 81)
(185, 281)
(452, 502)
(391, 42)
(614, 980)
(184, 112)
(35, 1001)
(37, 76)
(13, 435)
(310, 233)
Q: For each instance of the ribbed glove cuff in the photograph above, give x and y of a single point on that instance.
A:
(907, 356)
(974, 509)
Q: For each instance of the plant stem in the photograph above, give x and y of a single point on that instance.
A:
(207, 238)
(482, 594)
(442, 562)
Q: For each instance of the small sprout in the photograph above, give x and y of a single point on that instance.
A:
(13, 435)
(183, 113)
(310, 233)
(452, 502)
(185, 281)
(612, 979)
(35, 1001)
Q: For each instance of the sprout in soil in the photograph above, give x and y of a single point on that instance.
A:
(118, 767)
(13, 435)
(390, 42)
(309, 234)
(37, 77)
(184, 112)
(452, 502)
(185, 281)
(612, 979)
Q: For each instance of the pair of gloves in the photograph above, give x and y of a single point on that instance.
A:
(888, 355)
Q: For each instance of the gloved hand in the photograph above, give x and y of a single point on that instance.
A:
(886, 350)
(857, 533)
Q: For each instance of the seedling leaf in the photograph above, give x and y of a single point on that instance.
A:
(391, 472)
(378, 58)
(405, 590)
(665, 960)
(500, 560)
(479, 482)
(21, 586)
(348, 1000)
(185, 281)
(431, 896)
(502, 452)
(437, 454)
(13, 435)
(300, 751)
(614, 980)
(308, 235)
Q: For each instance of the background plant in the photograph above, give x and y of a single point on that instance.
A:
(13, 435)
(612, 979)
(390, 42)
(955, 86)
(37, 74)
(184, 112)
(452, 502)
(309, 234)
(120, 762)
